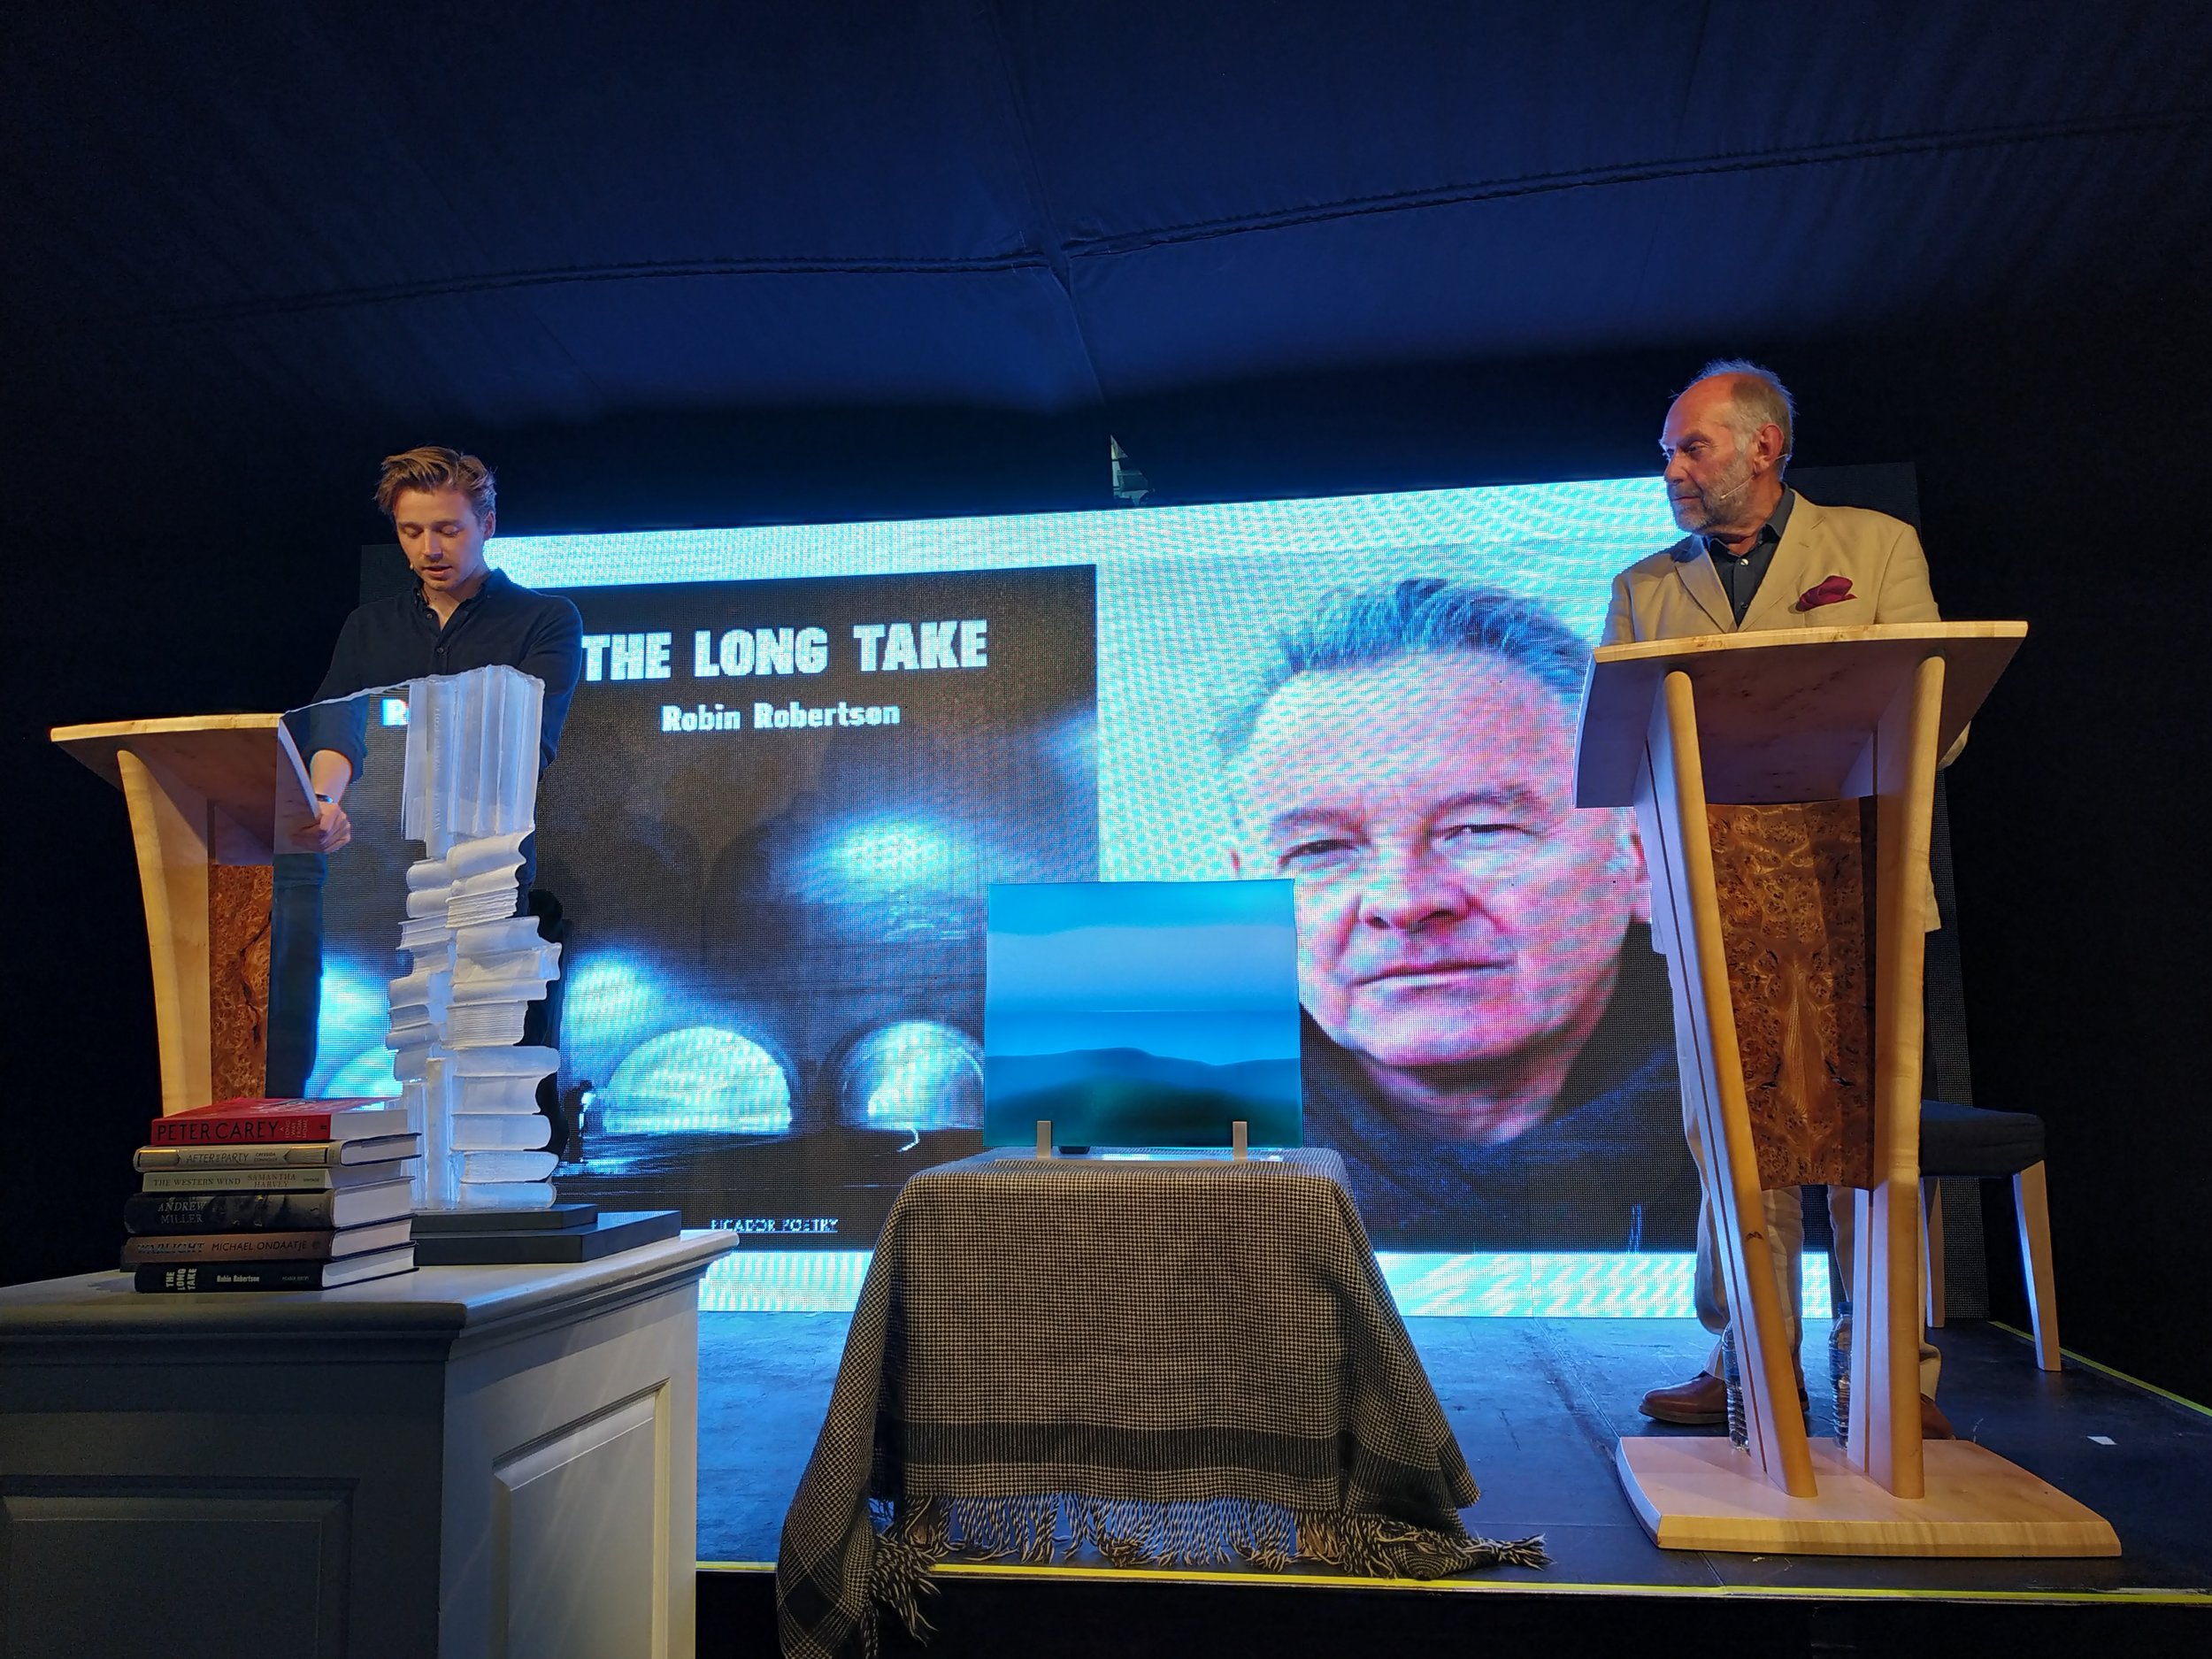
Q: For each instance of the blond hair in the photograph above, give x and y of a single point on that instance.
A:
(430, 468)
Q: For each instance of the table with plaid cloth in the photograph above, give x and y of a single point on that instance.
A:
(1175, 1361)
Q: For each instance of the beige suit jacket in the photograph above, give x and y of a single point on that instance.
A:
(1675, 594)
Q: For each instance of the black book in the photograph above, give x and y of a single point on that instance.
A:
(184, 1278)
(552, 1218)
(612, 1231)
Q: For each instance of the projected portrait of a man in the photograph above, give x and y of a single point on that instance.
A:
(1487, 1040)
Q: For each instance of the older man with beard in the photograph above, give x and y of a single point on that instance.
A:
(1759, 556)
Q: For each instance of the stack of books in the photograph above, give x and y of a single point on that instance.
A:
(273, 1194)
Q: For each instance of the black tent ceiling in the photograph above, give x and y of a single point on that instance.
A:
(272, 219)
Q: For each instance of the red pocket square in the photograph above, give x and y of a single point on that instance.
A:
(1828, 592)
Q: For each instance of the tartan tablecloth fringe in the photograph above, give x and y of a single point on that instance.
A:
(1039, 1528)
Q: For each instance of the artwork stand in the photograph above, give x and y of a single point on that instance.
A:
(1681, 729)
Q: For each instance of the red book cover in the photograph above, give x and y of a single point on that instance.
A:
(249, 1120)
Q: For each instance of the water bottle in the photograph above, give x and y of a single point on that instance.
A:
(1739, 1431)
(1840, 1372)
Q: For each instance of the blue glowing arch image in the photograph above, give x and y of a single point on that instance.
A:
(700, 1078)
(913, 1076)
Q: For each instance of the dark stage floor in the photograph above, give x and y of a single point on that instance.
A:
(1538, 1405)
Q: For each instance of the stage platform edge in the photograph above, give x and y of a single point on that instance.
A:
(984, 1610)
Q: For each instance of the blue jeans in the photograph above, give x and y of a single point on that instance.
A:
(295, 970)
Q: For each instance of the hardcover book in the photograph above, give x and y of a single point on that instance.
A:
(325, 1244)
(273, 1154)
(250, 1119)
(188, 1277)
(612, 1231)
(266, 1181)
(145, 1213)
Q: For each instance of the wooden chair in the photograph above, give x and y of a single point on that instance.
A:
(1965, 1142)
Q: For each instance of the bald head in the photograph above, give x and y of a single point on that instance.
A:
(1726, 440)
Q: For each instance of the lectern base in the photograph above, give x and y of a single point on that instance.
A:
(1696, 1492)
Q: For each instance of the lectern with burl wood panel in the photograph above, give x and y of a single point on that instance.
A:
(212, 798)
(1784, 783)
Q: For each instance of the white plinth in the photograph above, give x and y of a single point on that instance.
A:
(459, 1461)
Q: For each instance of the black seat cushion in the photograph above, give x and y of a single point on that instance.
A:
(1957, 1140)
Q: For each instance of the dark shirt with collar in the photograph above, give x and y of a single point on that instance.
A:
(386, 642)
(390, 640)
(1740, 574)
(1606, 1171)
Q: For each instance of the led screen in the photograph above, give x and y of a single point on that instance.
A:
(801, 755)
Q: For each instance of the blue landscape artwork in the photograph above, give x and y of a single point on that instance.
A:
(1142, 1013)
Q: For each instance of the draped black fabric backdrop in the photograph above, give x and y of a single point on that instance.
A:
(804, 263)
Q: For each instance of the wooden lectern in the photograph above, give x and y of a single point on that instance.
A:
(1783, 782)
(212, 798)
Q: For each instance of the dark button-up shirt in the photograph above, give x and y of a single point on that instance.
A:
(1740, 574)
(502, 624)
(1606, 1171)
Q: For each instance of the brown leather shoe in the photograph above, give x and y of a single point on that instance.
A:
(1933, 1424)
(1700, 1403)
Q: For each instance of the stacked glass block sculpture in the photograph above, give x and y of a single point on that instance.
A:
(474, 965)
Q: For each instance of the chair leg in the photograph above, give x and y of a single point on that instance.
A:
(1932, 1252)
(2032, 1201)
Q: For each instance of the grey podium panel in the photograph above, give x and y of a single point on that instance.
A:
(582, 1546)
(460, 1462)
(214, 1573)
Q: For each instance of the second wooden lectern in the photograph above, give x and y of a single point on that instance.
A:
(1784, 784)
(213, 799)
